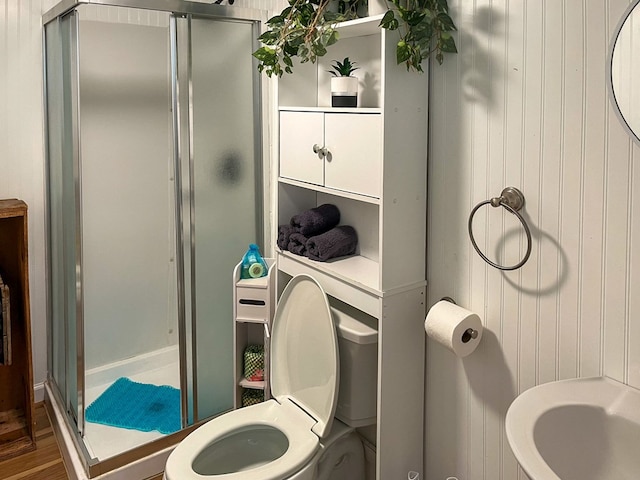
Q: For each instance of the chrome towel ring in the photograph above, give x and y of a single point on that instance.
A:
(513, 200)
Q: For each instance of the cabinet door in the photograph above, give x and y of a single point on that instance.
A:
(299, 132)
(354, 161)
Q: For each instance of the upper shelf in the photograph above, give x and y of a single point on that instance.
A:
(309, 85)
(297, 108)
(360, 27)
(353, 280)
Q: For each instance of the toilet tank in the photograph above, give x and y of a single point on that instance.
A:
(358, 347)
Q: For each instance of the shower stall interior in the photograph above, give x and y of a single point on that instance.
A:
(155, 188)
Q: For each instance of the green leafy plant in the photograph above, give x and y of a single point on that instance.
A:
(424, 27)
(343, 69)
(306, 28)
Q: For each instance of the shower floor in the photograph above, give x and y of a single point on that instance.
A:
(159, 368)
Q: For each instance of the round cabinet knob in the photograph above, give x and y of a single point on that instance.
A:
(320, 151)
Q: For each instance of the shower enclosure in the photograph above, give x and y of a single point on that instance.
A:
(155, 188)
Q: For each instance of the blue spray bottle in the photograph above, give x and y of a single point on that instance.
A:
(253, 265)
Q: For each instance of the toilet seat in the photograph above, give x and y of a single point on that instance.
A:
(304, 352)
(305, 378)
(287, 418)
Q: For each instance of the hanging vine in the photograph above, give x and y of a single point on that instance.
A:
(306, 28)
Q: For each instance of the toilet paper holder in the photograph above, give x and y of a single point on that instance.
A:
(470, 333)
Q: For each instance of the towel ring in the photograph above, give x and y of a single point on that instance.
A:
(513, 200)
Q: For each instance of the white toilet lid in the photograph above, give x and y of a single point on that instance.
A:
(304, 352)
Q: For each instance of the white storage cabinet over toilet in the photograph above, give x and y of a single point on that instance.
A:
(371, 163)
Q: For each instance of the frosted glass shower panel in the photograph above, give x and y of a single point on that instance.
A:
(128, 198)
(226, 192)
(62, 171)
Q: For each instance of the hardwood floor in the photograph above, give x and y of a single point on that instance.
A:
(44, 462)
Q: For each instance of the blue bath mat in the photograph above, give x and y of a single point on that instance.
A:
(137, 406)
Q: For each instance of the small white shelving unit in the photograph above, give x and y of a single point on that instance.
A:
(253, 307)
(370, 162)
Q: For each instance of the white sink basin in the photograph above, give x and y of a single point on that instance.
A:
(582, 429)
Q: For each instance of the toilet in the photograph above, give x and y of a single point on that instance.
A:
(294, 435)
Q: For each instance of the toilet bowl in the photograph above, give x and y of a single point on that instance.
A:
(294, 435)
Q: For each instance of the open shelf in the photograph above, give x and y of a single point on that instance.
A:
(360, 40)
(337, 280)
(244, 383)
(331, 191)
(359, 27)
(357, 270)
(251, 320)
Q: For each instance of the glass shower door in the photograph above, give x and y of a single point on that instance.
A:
(221, 160)
(128, 234)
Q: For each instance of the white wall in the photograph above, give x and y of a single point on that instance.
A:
(525, 104)
(22, 147)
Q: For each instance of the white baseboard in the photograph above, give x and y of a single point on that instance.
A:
(108, 374)
(38, 392)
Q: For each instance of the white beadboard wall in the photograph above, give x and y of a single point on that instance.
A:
(525, 104)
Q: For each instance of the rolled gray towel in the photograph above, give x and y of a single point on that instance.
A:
(316, 220)
(337, 242)
(297, 244)
(284, 232)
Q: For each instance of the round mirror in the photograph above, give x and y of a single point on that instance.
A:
(624, 76)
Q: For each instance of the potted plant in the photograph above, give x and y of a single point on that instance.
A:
(344, 87)
(305, 29)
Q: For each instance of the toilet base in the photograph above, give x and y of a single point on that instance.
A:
(341, 456)
(343, 460)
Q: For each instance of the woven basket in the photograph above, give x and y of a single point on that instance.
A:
(252, 397)
(254, 363)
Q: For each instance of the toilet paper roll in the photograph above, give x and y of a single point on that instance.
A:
(453, 326)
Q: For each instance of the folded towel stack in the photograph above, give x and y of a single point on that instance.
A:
(315, 234)
(316, 220)
(337, 242)
(297, 243)
(284, 232)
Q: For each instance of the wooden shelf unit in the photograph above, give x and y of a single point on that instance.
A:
(17, 433)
